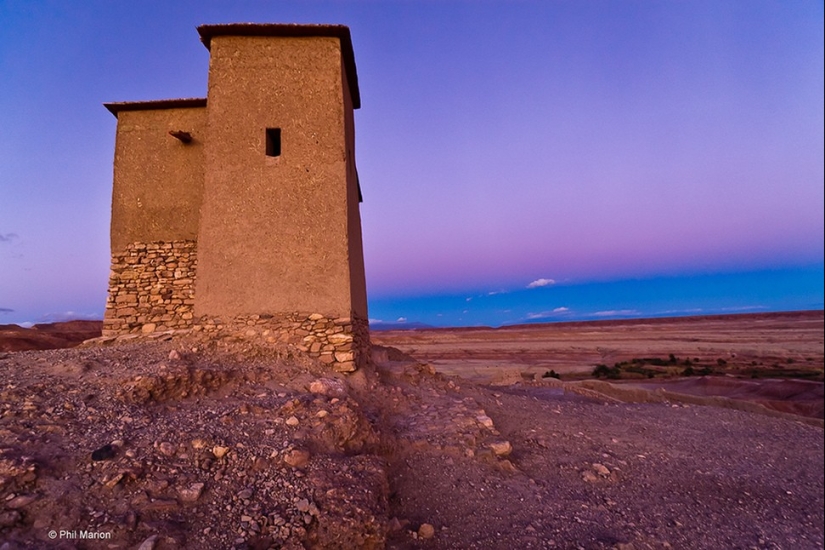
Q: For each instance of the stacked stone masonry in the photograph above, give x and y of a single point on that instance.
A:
(152, 290)
(341, 343)
(151, 287)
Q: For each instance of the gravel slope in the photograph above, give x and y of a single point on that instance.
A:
(225, 445)
(595, 475)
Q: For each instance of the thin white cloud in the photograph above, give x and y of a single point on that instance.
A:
(401, 320)
(559, 311)
(743, 308)
(375, 321)
(616, 312)
(538, 283)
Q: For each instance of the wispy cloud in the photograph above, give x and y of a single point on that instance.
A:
(494, 292)
(692, 310)
(538, 283)
(616, 313)
(401, 320)
(557, 312)
(8, 237)
(6, 310)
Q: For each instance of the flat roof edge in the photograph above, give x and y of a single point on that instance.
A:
(185, 103)
(207, 32)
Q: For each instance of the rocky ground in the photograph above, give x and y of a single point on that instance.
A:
(161, 443)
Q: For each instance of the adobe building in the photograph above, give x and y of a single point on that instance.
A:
(242, 209)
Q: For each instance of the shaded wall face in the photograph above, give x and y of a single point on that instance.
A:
(274, 232)
(355, 250)
(158, 180)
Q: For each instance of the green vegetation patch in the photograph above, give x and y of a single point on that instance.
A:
(652, 367)
(673, 366)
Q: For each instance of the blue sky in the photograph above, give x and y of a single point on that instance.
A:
(635, 157)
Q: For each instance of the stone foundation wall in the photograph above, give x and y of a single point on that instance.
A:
(152, 290)
(151, 287)
(343, 343)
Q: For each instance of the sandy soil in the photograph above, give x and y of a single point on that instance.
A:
(781, 344)
(180, 442)
(573, 348)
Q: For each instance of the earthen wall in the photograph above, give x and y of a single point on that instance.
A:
(274, 234)
(158, 180)
(211, 233)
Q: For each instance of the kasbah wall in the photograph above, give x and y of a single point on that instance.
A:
(239, 213)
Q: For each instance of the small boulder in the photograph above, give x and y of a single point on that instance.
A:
(166, 448)
(297, 458)
(426, 531)
(219, 451)
(330, 387)
(601, 469)
(501, 448)
(191, 493)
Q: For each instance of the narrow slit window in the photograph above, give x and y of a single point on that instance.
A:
(273, 142)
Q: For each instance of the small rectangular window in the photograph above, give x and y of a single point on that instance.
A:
(273, 142)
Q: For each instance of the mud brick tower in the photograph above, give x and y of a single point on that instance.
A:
(242, 209)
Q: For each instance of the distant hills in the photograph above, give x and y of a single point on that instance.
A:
(48, 335)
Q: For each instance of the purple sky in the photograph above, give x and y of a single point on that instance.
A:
(499, 143)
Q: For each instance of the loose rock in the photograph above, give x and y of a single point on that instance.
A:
(426, 531)
(219, 451)
(501, 448)
(297, 458)
(191, 493)
(601, 469)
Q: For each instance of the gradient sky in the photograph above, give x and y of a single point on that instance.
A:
(619, 158)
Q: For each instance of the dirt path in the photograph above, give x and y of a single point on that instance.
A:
(585, 474)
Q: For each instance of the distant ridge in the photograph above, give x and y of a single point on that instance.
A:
(674, 319)
(66, 334)
(414, 325)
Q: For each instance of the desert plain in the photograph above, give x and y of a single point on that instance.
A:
(701, 432)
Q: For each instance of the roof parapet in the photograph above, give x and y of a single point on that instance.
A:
(184, 103)
(207, 32)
